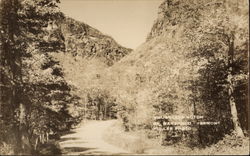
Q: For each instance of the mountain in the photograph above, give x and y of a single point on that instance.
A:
(182, 68)
(160, 67)
(87, 42)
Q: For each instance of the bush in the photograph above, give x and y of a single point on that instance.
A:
(49, 148)
(6, 149)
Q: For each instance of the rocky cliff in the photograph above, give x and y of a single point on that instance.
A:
(173, 14)
(87, 42)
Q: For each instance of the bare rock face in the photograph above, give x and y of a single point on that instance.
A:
(161, 22)
(82, 40)
(173, 14)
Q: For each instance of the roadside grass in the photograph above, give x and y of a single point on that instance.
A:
(230, 145)
(138, 143)
(6, 149)
(134, 142)
(50, 148)
(131, 142)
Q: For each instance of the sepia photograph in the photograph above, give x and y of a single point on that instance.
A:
(124, 77)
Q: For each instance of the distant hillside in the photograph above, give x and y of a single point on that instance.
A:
(84, 41)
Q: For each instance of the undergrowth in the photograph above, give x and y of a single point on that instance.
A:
(6, 149)
(137, 142)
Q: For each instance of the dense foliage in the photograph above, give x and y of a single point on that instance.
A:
(35, 98)
(193, 63)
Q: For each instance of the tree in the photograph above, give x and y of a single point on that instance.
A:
(11, 76)
(227, 23)
(37, 94)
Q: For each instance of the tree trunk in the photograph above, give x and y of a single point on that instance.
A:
(12, 61)
(8, 59)
(98, 110)
(232, 103)
(105, 111)
(25, 141)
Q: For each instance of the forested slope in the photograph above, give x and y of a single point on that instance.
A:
(84, 41)
(194, 62)
(87, 55)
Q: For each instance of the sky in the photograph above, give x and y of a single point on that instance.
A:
(127, 21)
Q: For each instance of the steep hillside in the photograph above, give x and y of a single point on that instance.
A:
(182, 68)
(160, 69)
(85, 55)
(84, 41)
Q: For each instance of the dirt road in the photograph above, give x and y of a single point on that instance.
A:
(88, 139)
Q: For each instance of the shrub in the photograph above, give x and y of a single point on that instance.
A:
(6, 149)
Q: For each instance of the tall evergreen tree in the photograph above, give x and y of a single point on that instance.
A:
(32, 83)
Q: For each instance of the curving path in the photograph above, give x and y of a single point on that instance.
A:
(88, 139)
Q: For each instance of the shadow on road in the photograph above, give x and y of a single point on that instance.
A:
(68, 138)
(87, 139)
(101, 153)
(75, 149)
